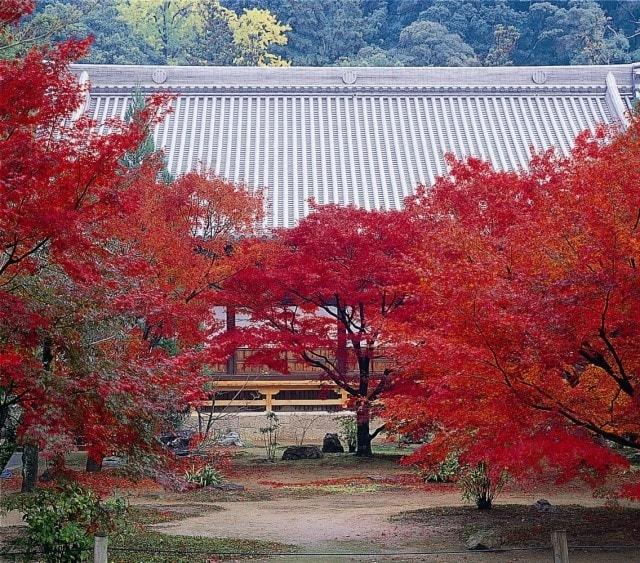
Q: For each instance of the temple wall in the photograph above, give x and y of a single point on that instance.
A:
(309, 427)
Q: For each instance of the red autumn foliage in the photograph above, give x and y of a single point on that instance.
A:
(107, 274)
(12, 10)
(320, 292)
(525, 314)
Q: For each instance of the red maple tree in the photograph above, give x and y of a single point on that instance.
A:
(526, 312)
(320, 293)
(107, 273)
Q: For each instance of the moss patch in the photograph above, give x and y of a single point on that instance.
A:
(149, 515)
(154, 547)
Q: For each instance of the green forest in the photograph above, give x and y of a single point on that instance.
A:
(346, 32)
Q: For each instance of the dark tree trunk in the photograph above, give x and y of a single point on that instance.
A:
(363, 412)
(484, 503)
(29, 467)
(94, 463)
(363, 448)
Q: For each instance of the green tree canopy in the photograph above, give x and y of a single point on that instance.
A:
(427, 43)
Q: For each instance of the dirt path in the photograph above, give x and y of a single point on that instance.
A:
(362, 523)
(320, 521)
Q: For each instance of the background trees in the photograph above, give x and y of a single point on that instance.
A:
(357, 32)
(410, 32)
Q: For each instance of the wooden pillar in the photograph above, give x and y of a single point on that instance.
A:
(268, 395)
(100, 549)
(560, 546)
(232, 364)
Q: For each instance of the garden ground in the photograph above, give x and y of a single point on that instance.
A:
(341, 504)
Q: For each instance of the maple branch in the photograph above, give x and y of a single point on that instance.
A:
(26, 254)
(382, 428)
(622, 380)
(332, 374)
(635, 226)
(382, 384)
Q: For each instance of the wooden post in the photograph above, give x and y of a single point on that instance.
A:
(268, 395)
(100, 549)
(560, 546)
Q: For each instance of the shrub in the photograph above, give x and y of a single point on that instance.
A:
(482, 485)
(204, 476)
(348, 430)
(446, 472)
(270, 435)
(61, 523)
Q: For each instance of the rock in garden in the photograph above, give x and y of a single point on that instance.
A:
(229, 487)
(177, 441)
(301, 452)
(112, 461)
(543, 505)
(331, 444)
(230, 439)
(483, 540)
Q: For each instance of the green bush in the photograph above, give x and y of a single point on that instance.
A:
(479, 486)
(446, 472)
(348, 430)
(61, 523)
(204, 477)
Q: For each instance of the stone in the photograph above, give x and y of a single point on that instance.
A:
(543, 505)
(177, 442)
(173, 483)
(301, 452)
(484, 539)
(229, 487)
(112, 461)
(230, 439)
(331, 444)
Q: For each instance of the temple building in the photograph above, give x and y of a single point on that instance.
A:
(353, 136)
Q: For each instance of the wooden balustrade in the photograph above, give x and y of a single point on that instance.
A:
(295, 365)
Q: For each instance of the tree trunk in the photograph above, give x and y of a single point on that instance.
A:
(94, 463)
(363, 448)
(29, 467)
(363, 443)
(484, 503)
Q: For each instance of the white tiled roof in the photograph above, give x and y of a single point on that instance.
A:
(362, 136)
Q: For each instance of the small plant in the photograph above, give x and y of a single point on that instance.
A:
(206, 476)
(348, 431)
(270, 435)
(481, 486)
(61, 523)
(446, 472)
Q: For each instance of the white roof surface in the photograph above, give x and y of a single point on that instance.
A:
(362, 136)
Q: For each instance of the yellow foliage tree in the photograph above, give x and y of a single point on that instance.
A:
(254, 33)
(166, 25)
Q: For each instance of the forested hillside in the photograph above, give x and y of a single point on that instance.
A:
(347, 32)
